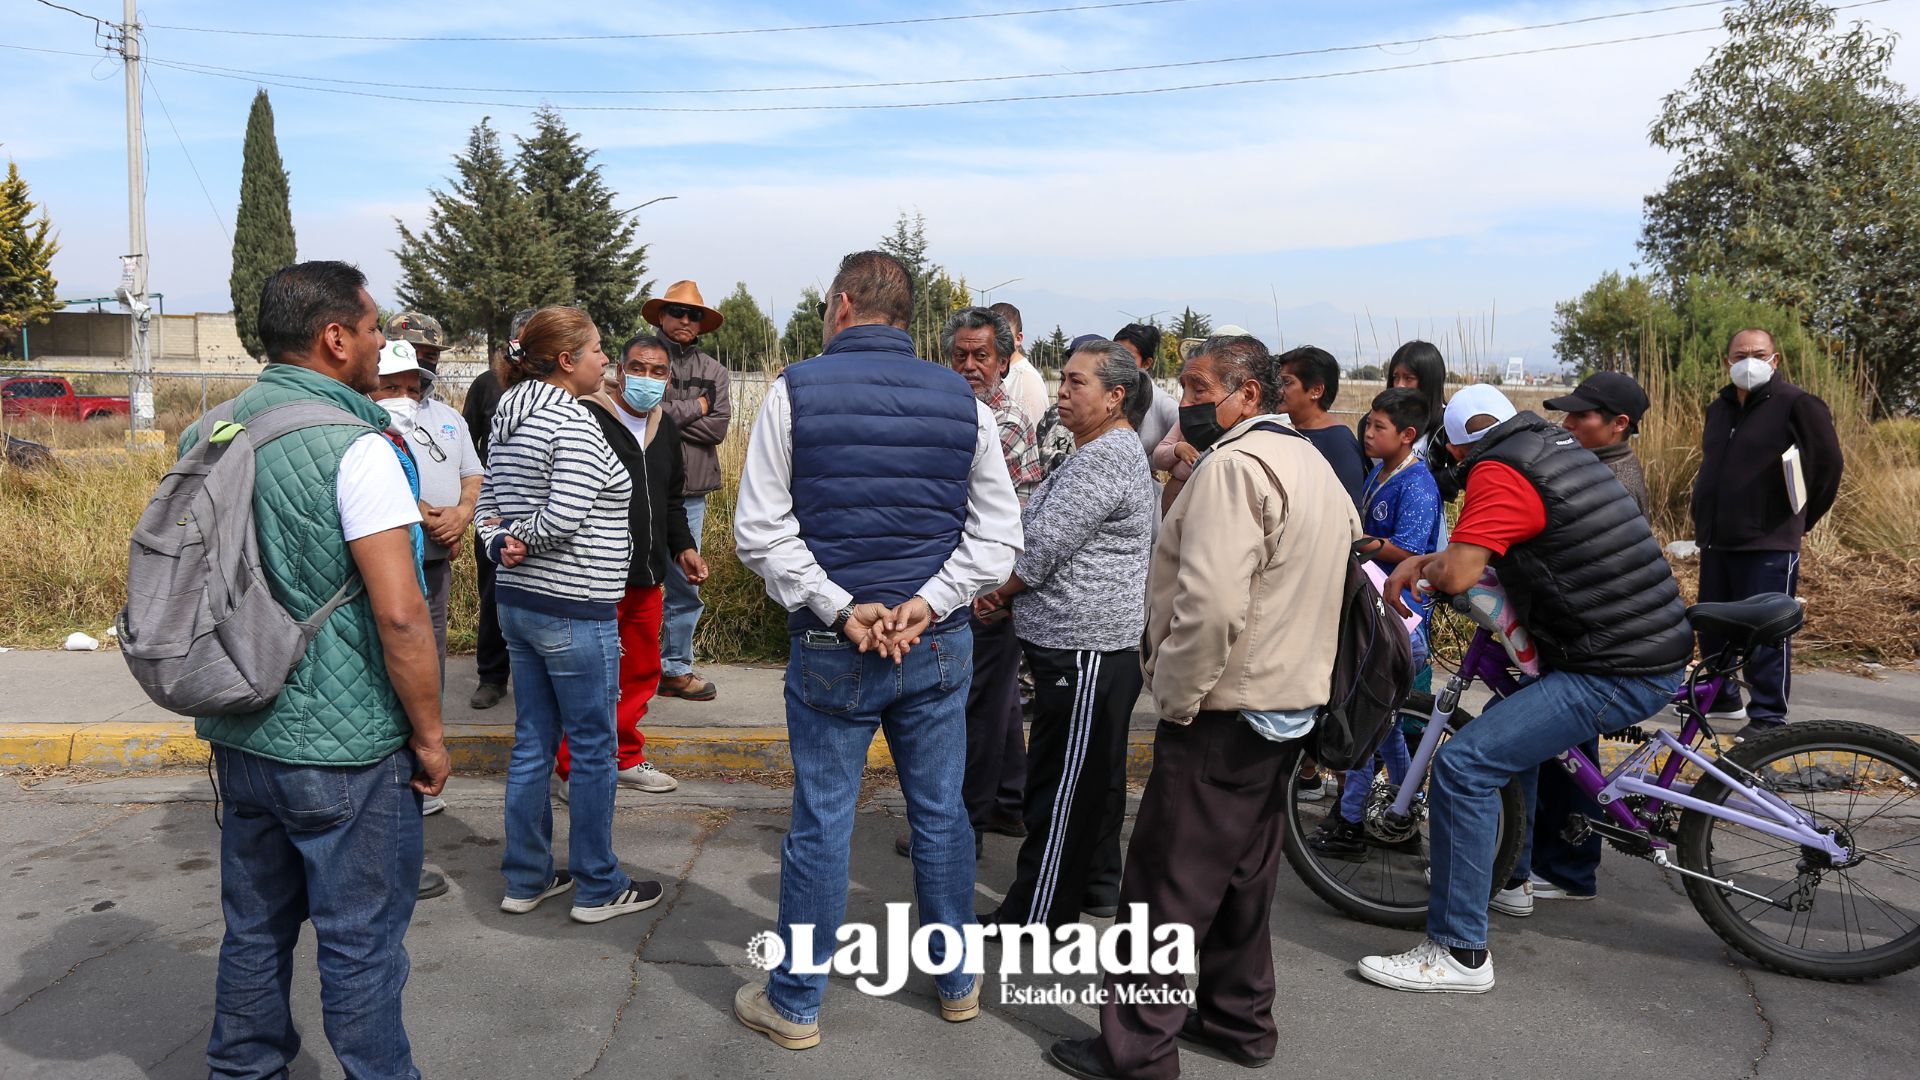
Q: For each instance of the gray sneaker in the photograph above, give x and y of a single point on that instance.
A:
(647, 778)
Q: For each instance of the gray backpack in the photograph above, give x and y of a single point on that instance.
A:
(202, 631)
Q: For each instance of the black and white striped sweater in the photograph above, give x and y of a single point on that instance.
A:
(556, 485)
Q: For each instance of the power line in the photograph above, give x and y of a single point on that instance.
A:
(1082, 73)
(1075, 96)
(168, 113)
(517, 38)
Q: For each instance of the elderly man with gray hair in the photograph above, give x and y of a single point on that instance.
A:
(1242, 605)
(979, 343)
(1078, 608)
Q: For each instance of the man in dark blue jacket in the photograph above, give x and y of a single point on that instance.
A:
(1747, 522)
(876, 503)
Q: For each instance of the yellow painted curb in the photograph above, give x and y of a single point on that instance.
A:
(479, 748)
(474, 747)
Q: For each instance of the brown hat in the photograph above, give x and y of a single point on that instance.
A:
(685, 293)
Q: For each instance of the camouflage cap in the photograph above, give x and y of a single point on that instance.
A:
(416, 329)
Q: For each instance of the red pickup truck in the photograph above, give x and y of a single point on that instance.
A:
(46, 395)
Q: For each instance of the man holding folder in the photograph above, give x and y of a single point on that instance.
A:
(1769, 471)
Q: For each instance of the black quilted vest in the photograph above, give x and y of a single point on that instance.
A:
(1593, 587)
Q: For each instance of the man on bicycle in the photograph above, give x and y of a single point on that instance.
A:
(1582, 567)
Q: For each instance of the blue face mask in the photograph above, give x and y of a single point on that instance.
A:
(642, 393)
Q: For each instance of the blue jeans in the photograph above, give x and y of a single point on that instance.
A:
(1558, 710)
(566, 680)
(335, 846)
(1552, 800)
(1358, 783)
(836, 697)
(683, 605)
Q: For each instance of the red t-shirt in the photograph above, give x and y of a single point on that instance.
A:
(1501, 509)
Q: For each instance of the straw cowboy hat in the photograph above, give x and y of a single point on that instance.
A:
(685, 293)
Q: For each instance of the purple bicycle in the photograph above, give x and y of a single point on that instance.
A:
(1800, 847)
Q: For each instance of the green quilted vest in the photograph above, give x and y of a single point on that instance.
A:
(338, 707)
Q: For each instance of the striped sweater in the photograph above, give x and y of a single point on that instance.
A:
(556, 485)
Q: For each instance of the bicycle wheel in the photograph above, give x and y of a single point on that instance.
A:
(1855, 920)
(1386, 884)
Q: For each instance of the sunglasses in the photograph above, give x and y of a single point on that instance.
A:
(681, 311)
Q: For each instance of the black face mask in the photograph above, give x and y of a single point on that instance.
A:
(1200, 424)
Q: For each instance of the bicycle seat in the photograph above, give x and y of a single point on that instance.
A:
(1766, 619)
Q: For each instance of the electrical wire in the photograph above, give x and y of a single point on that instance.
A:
(1080, 73)
(168, 113)
(884, 106)
(519, 39)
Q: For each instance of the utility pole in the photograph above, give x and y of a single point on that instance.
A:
(133, 282)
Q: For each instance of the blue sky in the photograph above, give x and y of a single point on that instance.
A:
(1460, 201)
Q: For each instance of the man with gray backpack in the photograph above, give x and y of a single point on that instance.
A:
(274, 593)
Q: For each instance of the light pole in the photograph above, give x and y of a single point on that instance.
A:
(987, 292)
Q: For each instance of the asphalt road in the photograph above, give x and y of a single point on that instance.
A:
(108, 951)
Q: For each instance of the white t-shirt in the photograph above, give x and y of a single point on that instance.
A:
(635, 424)
(1028, 389)
(372, 490)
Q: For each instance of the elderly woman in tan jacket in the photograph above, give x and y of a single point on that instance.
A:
(1243, 602)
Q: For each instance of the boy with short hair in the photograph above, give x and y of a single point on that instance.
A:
(1401, 513)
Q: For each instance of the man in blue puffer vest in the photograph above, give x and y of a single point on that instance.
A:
(877, 505)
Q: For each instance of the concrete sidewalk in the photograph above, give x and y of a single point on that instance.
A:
(84, 709)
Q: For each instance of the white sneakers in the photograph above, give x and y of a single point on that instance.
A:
(431, 805)
(1427, 968)
(648, 779)
(1547, 890)
(642, 777)
(1517, 901)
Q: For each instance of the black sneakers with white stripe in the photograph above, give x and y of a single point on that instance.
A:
(638, 896)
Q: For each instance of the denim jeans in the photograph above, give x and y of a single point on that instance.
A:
(683, 606)
(566, 679)
(1358, 783)
(335, 846)
(1558, 710)
(836, 697)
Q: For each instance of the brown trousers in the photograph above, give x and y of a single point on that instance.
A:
(1206, 846)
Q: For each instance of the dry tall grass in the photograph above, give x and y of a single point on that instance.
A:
(65, 541)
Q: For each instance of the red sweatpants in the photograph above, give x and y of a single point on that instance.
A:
(639, 615)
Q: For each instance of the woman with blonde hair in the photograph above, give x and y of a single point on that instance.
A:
(553, 517)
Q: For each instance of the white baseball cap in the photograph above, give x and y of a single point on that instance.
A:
(1468, 402)
(397, 356)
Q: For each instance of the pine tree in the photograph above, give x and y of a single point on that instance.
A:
(27, 286)
(485, 253)
(747, 339)
(263, 227)
(1051, 352)
(595, 240)
(801, 338)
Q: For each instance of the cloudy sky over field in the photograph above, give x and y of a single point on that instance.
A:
(1464, 193)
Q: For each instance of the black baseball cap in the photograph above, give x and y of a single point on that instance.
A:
(1613, 393)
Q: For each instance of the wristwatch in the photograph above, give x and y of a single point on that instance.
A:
(841, 618)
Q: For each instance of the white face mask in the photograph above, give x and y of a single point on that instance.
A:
(1751, 373)
(403, 410)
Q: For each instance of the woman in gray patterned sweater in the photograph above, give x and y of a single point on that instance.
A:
(1079, 598)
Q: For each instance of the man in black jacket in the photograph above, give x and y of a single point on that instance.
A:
(1749, 526)
(647, 442)
(490, 648)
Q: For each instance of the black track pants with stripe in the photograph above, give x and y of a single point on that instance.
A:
(1082, 701)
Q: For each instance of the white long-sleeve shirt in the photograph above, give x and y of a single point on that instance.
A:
(766, 534)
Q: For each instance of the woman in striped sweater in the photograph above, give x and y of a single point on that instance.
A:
(553, 515)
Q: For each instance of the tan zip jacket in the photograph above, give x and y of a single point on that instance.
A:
(1243, 600)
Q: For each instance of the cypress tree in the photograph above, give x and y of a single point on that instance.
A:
(263, 227)
(27, 287)
(485, 253)
(595, 240)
